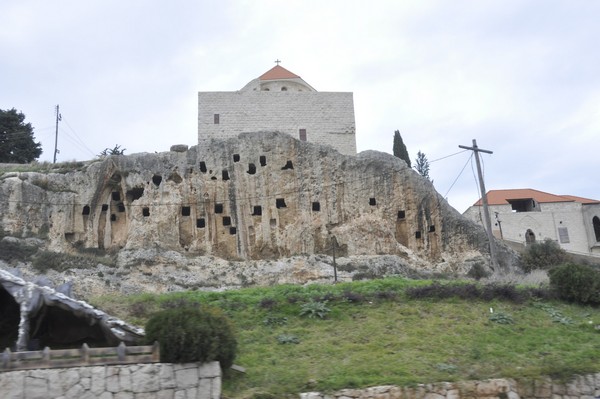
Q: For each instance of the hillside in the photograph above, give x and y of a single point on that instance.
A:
(390, 331)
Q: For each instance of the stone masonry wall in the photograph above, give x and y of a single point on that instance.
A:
(156, 380)
(328, 117)
(581, 387)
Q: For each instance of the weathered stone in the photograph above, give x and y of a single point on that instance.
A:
(124, 395)
(36, 387)
(145, 379)
(179, 148)
(543, 388)
(209, 370)
(55, 388)
(166, 376)
(186, 377)
(98, 380)
(12, 384)
(165, 394)
(105, 395)
(75, 392)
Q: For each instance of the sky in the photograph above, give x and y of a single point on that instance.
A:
(521, 77)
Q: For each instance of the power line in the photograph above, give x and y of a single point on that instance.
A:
(460, 173)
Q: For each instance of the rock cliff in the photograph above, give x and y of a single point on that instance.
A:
(250, 200)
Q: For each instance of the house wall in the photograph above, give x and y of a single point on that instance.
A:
(328, 117)
(589, 211)
(155, 380)
(544, 223)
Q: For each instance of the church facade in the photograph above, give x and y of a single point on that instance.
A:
(280, 101)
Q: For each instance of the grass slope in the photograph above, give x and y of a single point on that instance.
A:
(384, 332)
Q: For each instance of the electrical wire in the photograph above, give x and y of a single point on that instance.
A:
(455, 180)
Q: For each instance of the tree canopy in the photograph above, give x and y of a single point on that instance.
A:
(422, 165)
(400, 149)
(17, 144)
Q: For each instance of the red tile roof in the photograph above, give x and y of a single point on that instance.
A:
(501, 197)
(276, 73)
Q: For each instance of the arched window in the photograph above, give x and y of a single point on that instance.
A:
(596, 223)
(529, 237)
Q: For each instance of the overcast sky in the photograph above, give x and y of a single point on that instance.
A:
(521, 77)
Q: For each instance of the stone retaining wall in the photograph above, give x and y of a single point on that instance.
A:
(581, 387)
(155, 381)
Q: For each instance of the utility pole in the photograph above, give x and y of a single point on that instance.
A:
(486, 213)
(58, 118)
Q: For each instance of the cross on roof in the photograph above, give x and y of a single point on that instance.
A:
(277, 61)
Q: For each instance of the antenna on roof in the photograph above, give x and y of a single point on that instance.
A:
(277, 61)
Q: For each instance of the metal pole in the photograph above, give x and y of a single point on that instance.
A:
(486, 213)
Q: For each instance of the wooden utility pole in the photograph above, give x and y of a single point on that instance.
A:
(58, 118)
(486, 213)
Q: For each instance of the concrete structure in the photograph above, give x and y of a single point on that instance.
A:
(281, 101)
(526, 215)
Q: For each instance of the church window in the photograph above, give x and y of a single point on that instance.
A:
(200, 223)
(263, 160)
(216, 119)
(185, 211)
(145, 211)
(280, 203)
(302, 133)
(288, 165)
(596, 223)
(86, 210)
(251, 169)
(257, 210)
(316, 206)
(226, 221)
(372, 201)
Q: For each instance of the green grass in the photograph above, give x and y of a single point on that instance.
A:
(384, 337)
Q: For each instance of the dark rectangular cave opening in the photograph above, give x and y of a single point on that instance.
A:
(236, 157)
(145, 211)
(257, 210)
(218, 208)
(251, 169)
(203, 167)
(401, 214)
(200, 223)
(288, 165)
(185, 211)
(432, 228)
(113, 217)
(104, 207)
(226, 221)
(316, 206)
(280, 203)
(372, 201)
(263, 160)
(225, 175)
(86, 210)
(417, 234)
(232, 230)
(116, 196)
(121, 207)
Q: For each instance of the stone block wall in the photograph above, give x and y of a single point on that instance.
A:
(327, 117)
(580, 387)
(156, 380)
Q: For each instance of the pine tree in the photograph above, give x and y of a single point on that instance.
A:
(17, 143)
(422, 165)
(400, 149)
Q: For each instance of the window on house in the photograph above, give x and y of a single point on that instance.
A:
(563, 235)
(596, 224)
(216, 119)
(302, 134)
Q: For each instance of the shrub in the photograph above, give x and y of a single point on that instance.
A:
(193, 334)
(543, 255)
(15, 251)
(576, 283)
(314, 309)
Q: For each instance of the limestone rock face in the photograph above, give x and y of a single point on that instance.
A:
(259, 196)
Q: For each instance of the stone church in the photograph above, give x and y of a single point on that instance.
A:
(281, 101)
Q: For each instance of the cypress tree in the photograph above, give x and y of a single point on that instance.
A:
(400, 149)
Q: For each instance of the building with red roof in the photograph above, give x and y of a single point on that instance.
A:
(527, 215)
(279, 101)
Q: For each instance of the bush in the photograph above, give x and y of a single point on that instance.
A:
(543, 255)
(193, 334)
(576, 283)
